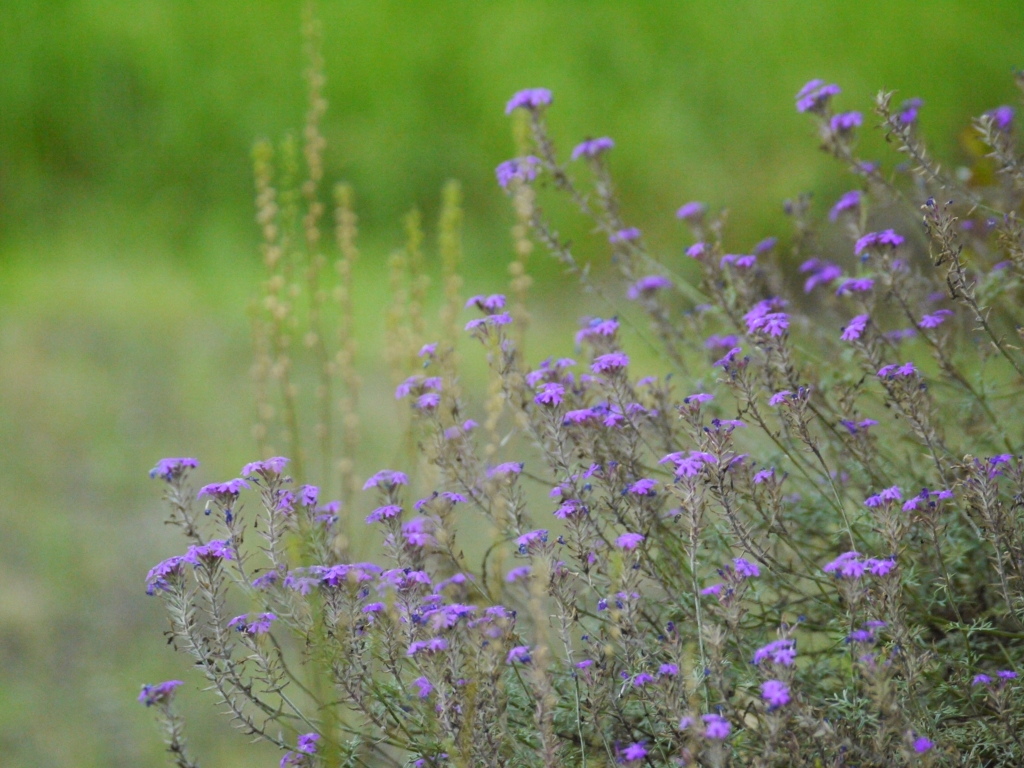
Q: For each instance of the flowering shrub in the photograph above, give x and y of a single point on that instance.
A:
(804, 545)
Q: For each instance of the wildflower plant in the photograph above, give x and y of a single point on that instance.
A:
(800, 544)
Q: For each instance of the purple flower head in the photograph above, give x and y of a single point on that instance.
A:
(855, 285)
(720, 342)
(1006, 674)
(169, 469)
(880, 567)
(489, 304)
(847, 566)
(766, 245)
(716, 727)
(531, 539)
(268, 467)
(692, 211)
(517, 574)
(433, 645)
(517, 169)
(643, 487)
(642, 679)
(935, 319)
(696, 250)
(729, 358)
(1002, 118)
(746, 569)
(386, 478)
(158, 574)
(855, 328)
(907, 113)
(307, 743)
(668, 670)
(505, 469)
(782, 652)
(550, 394)
(529, 98)
(886, 237)
(814, 96)
(613, 361)
(520, 653)
(922, 745)
(779, 397)
(427, 350)
(423, 687)
(981, 679)
(211, 552)
(490, 321)
(592, 147)
(850, 201)
(159, 693)
(698, 398)
(740, 261)
(634, 753)
(714, 589)
(597, 327)
(647, 286)
(386, 512)
(627, 235)
(223, 492)
(824, 274)
(428, 401)
(775, 692)
(629, 541)
(896, 371)
(763, 476)
(844, 122)
(771, 324)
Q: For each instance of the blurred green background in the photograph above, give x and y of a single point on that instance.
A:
(128, 253)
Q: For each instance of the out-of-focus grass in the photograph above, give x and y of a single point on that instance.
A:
(127, 255)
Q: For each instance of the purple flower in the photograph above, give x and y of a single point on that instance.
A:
(386, 478)
(613, 361)
(158, 693)
(210, 552)
(307, 743)
(643, 487)
(692, 211)
(624, 235)
(698, 398)
(894, 371)
(848, 202)
(489, 304)
(815, 95)
(853, 329)
(907, 113)
(766, 245)
(642, 679)
(822, 273)
(427, 401)
(634, 752)
(981, 679)
(846, 121)
(668, 670)
(740, 261)
(423, 687)
(592, 147)
(746, 569)
(771, 323)
(847, 566)
(531, 539)
(433, 645)
(520, 653)
(855, 285)
(763, 476)
(781, 652)
(779, 397)
(880, 567)
(274, 466)
(517, 574)
(1002, 118)
(169, 469)
(386, 512)
(877, 240)
(597, 327)
(262, 624)
(517, 169)
(775, 692)
(506, 468)
(427, 350)
(1006, 674)
(646, 286)
(629, 541)
(728, 358)
(935, 319)
(922, 745)
(696, 250)
(714, 589)
(486, 322)
(716, 727)
(223, 492)
(550, 394)
(157, 576)
(529, 98)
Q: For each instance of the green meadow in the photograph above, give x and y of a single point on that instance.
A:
(129, 256)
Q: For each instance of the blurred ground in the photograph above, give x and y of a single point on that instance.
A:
(127, 252)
